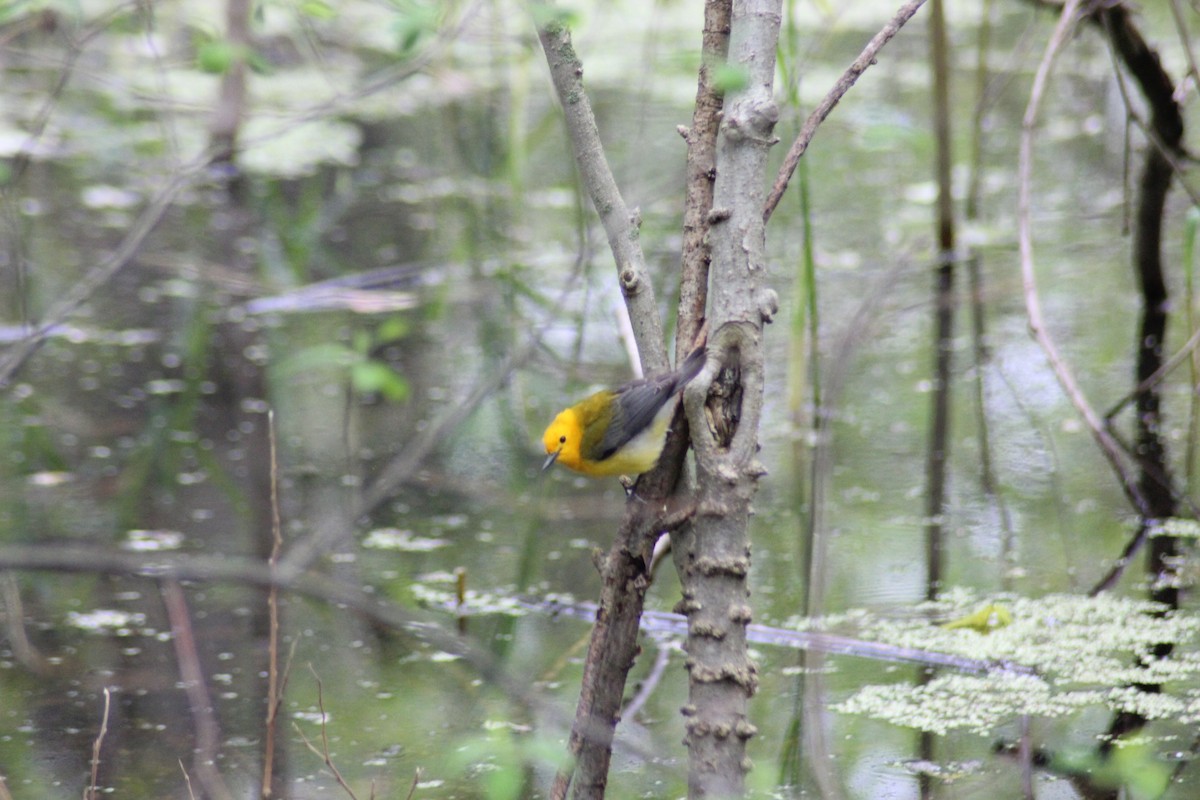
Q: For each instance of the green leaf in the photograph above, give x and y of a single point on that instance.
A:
(375, 376)
(215, 57)
(321, 356)
(393, 329)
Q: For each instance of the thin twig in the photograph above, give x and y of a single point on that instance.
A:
(274, 695)
(849, 77)
(412, 790)
(93, 788)
(1124, 560)
(1193, 74)
(20, 162)
(1157, 376)
(1033, 308)
(103, 272)
(187, 780)
(324, 751)
(41, 120)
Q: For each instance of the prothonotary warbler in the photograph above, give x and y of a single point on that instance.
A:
(619, 431)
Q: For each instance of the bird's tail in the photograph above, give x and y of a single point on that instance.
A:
(691, 366)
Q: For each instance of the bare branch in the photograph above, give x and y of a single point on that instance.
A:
(274, 692)
(1033, 308)
(103, 272)
(701, 170)
(620, 223)
(93, 790)
(848, 79)
(187, 780)
(324, 751)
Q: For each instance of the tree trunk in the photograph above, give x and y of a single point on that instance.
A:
(714, 550)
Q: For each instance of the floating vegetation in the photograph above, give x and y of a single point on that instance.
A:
(106, 620)
(144, 541)
(1086, 651)
(1175, 526)
(975, 703)
(402, 540)
(473, 602)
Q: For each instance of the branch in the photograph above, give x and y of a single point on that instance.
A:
(701, 170)
(849, 77)
(103, 272)
(621, 225)
(274, 691)
(93, 790)
(323, 753)
(1033, 308)
(712, 555)
(613, 647)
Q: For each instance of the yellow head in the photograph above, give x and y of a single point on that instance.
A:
(562, 439)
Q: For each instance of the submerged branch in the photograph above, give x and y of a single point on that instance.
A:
(665, 622)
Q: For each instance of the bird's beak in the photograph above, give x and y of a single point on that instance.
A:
(550, 459)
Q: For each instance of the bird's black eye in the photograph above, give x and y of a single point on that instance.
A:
(562, 440)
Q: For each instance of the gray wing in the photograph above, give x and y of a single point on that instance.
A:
(635, 406)
(637, 402)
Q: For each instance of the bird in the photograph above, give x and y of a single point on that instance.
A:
(619, 431)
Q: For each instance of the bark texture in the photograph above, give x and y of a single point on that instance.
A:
(701, 141)
(620, 224)
(713, 554)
